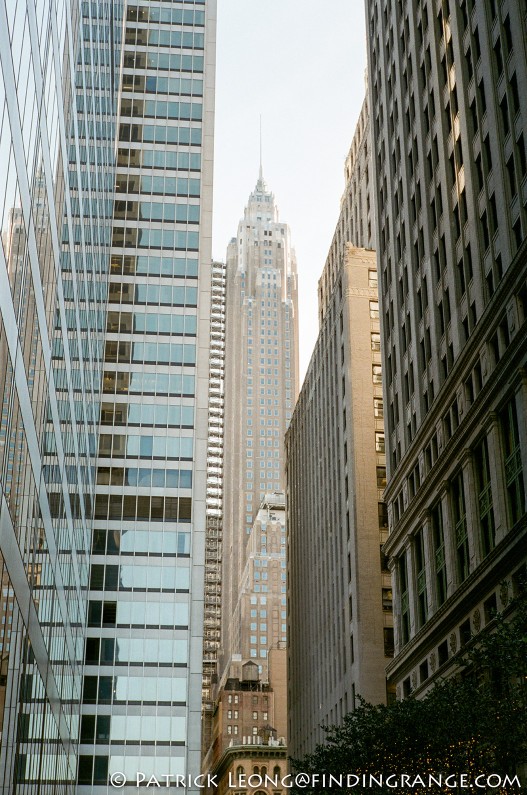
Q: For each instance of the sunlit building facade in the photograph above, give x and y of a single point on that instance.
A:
(447, 82)
(336, 474)
(58, 103)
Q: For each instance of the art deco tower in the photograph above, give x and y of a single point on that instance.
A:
(261, 374)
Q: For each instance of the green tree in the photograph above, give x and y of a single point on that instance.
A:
(474, 723)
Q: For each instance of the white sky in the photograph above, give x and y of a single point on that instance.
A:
(300, 64)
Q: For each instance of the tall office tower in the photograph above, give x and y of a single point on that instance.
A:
(450, 136)
(57, 134)
(340, 629)
(339, 590)
(143, 674)
(261, 372)
(214, 506)
(356, 223)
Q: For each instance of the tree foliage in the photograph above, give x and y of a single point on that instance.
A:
(474, 723)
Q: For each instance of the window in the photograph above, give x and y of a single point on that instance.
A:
(419, 551)
(388, 642)
(460, 527)
(484, 491)
(438, 539)
(374, 310)
(405, 607)
(442, 652)
(377, 373)
(375, 341)
(379, 442)
(513, 462)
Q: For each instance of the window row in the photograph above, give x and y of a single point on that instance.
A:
(161, 109)
(159, 158)
(138, 614)
(172, 16)
(134, 446)
(151, 323)
(170, 61)
(130, 689)
(136, 577)
(132, 264)
(185, 39)
(150, 353)
(136, 651)
(155, 414)
(156, 543)
(130, 508)
(156, 84)
(157, 211)
(173, 239)
(165, 186)
(159, 729)
(142, 383)
(153, 294)
(145, 478)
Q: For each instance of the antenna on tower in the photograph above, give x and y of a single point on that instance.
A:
(261, 167)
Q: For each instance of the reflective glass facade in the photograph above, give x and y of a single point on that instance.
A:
(58, 102)
(143, 652)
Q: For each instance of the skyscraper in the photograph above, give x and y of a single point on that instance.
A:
(339, 598)
(449, 133)
(143, 673)
(213, 541)
(58, 102)
(124, 602)
(261, 373)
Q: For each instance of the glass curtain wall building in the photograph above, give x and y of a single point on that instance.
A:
(58, 100)
(143, 655)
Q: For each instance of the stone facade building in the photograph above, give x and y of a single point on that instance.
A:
(449, 154)
(339, 589)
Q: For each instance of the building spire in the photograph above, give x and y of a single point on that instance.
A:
(260, 185)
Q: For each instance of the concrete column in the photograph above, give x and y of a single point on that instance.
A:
(429, 562)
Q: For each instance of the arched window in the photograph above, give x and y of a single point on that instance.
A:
(276, 771)
(240, 771)
(256, 770)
